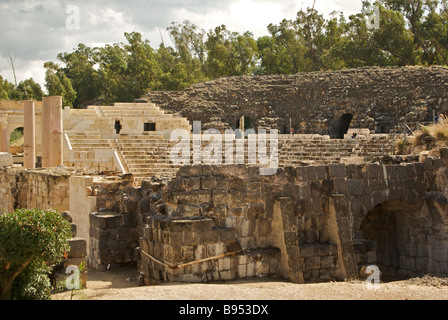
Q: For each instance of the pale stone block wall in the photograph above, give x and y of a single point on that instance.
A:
(82, 203)
(34, 189)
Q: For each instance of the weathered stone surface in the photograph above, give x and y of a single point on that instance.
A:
(219, 103)
(6, 159)
(78, 248)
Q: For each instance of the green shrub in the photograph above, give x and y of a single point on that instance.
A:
(31, 243)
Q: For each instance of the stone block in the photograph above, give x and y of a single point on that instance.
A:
(78, 248)
(241, 270)
(374, 171)
(338, 170)
(225, 263)
(327, 187)
(263, 227)
(204, 224)
(227, 235)
(256, 210)
(210, 236)
(340, 185)
(312, 263)
(316, 189)
(327, 262)
(311, 173)
(208, 183)
(355, 188)
(190, 238)
(220, 197)
(106, 220)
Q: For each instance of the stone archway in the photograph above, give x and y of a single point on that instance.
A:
(398, 236)
(16, 142)
(340, 126)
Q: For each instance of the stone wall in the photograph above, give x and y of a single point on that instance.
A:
(377, 98)
(326, 222)
(40, 189)
(44, 189)
(115, 225)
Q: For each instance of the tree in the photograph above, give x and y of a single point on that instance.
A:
(434, 34)
(27, 90)
(282, 52)
(30, 242)
(394, 39)
(174, 74)
(189, 53)
(4, 90)
(142, 71)
(229, 53)
(80, 69)
(58, 84)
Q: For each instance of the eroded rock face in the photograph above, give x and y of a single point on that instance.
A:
(318, 102)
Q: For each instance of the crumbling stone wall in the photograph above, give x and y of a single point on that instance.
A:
(44, 189)
(115, 226)
(376, 98)
(40, 189)
(324, 222)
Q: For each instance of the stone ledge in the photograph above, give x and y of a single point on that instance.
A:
(6, 159)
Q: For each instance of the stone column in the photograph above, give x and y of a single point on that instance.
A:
(4, 143)
(29, 147)
(285, 228)
(46, 142)
(339, 230)
(56, 137)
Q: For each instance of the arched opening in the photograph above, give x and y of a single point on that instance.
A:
(244, 123)
(386, 232)
(16, 141)
(340, 127)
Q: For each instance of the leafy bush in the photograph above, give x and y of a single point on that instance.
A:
(31, 242)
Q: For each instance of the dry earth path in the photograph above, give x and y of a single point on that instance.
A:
(120, 284)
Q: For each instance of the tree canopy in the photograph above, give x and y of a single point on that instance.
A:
(410, 32)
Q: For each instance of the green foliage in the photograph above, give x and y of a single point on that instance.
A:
(58, 84)
(30, 242)
(411, 32)
(16, 135)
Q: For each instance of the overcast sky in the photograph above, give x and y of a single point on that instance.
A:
(36, 31)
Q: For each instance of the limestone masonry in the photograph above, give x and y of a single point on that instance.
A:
(379, 99)
(337, 203)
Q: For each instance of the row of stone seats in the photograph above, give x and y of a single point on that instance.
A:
(148, 155)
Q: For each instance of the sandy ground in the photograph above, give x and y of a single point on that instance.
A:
(121, 284)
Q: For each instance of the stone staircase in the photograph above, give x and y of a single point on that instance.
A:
(146, 156)
(319, 150)
(93, 141)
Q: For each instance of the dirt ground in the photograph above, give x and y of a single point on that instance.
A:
(121, 284)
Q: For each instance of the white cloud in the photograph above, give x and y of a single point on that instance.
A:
(35, 31)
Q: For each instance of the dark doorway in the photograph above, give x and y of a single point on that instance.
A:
(388, 225)
(117, 126)
(341, 126)
(149, 126)
(248, 124)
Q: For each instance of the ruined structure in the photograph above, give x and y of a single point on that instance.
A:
(328, 103)
(335, 204)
